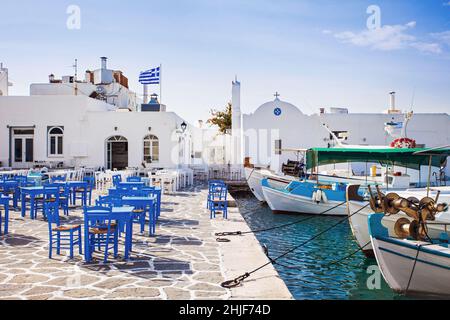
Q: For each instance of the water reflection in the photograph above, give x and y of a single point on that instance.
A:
(309, 272)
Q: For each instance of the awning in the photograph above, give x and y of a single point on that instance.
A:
(411, 158)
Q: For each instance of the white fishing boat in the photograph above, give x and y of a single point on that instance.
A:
(254, 177)
(411, 266)
(305, 197)
(325, 194)
(359, 213)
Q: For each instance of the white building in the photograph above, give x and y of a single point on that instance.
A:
(97, 122)
(281, 125)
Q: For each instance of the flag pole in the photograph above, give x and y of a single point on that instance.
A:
(160, 83)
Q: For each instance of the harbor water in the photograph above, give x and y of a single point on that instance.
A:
(309, 272)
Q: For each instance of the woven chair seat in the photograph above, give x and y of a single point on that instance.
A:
(80, 190)
(138, 210)
(101, 230)
(67, 228)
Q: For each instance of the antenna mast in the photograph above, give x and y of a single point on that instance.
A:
(75, 66)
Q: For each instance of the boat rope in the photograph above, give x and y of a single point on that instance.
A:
(250, 175)
(240, 233)
(237, 281)
(413, 268)
(325, 266)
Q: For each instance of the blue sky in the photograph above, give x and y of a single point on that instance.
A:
(316, 53)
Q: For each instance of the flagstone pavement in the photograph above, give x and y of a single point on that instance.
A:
(181, 262)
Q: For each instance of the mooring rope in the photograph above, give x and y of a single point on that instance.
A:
(237, 281)
(240, 233)
(325, 266)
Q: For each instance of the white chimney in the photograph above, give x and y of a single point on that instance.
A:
(392, 106)
(104, 59)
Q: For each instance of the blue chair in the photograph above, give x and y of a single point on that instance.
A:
(116, 179)
(90, 186)
(64, 198)
(219, 202)
(4, 201)
(134, 179)
(214, 189)
(61, 178)
(81, 192)
(61, 236)
(50, 194)
(100, 232)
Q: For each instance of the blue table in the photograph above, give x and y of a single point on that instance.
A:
(119, 214)
(149, 203)
(33, 192)
(5, 202)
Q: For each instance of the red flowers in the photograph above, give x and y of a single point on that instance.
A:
(403, 143)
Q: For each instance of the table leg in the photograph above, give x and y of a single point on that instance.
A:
(128, 238)
(23, 205)
(32, 206)
(6, 218)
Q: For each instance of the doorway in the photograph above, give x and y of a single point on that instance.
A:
(22, 148)
(117, 153)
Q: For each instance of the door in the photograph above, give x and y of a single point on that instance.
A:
(23, 149)
(117, 153)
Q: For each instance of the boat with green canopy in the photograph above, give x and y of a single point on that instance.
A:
(317, 193)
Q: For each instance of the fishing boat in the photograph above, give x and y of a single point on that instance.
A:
(255, 175)
(413, 262)
(359, 211)
(320, 192)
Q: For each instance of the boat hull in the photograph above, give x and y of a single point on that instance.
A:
(360, 227)
(429, 274)
(255, 176)
(283, 202)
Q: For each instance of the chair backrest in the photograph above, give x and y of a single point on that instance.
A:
(117, 178)
(95, 217)
(51, 193)
(104, 201)
(51, 210)
(21, 179)
(59, 178)
(90, 181)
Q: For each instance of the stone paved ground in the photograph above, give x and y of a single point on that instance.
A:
(182, 262)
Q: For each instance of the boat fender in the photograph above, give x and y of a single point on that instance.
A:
(324, 197)
(318, 196)
(314, 196)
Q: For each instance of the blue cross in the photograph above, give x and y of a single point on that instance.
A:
(277, 112)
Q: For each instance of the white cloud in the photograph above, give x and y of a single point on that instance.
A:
(446, 4)
(443, 37)
(388, 38)
(427, 47)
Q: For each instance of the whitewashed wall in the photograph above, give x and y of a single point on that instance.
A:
(87, 125)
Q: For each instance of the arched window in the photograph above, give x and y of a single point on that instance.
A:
(151, 149)
(55, 141)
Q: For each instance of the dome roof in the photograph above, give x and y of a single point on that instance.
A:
(278, 107)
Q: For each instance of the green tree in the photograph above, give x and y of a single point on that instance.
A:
(222, 119)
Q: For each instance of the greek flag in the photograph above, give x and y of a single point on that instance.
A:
(151, 76)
